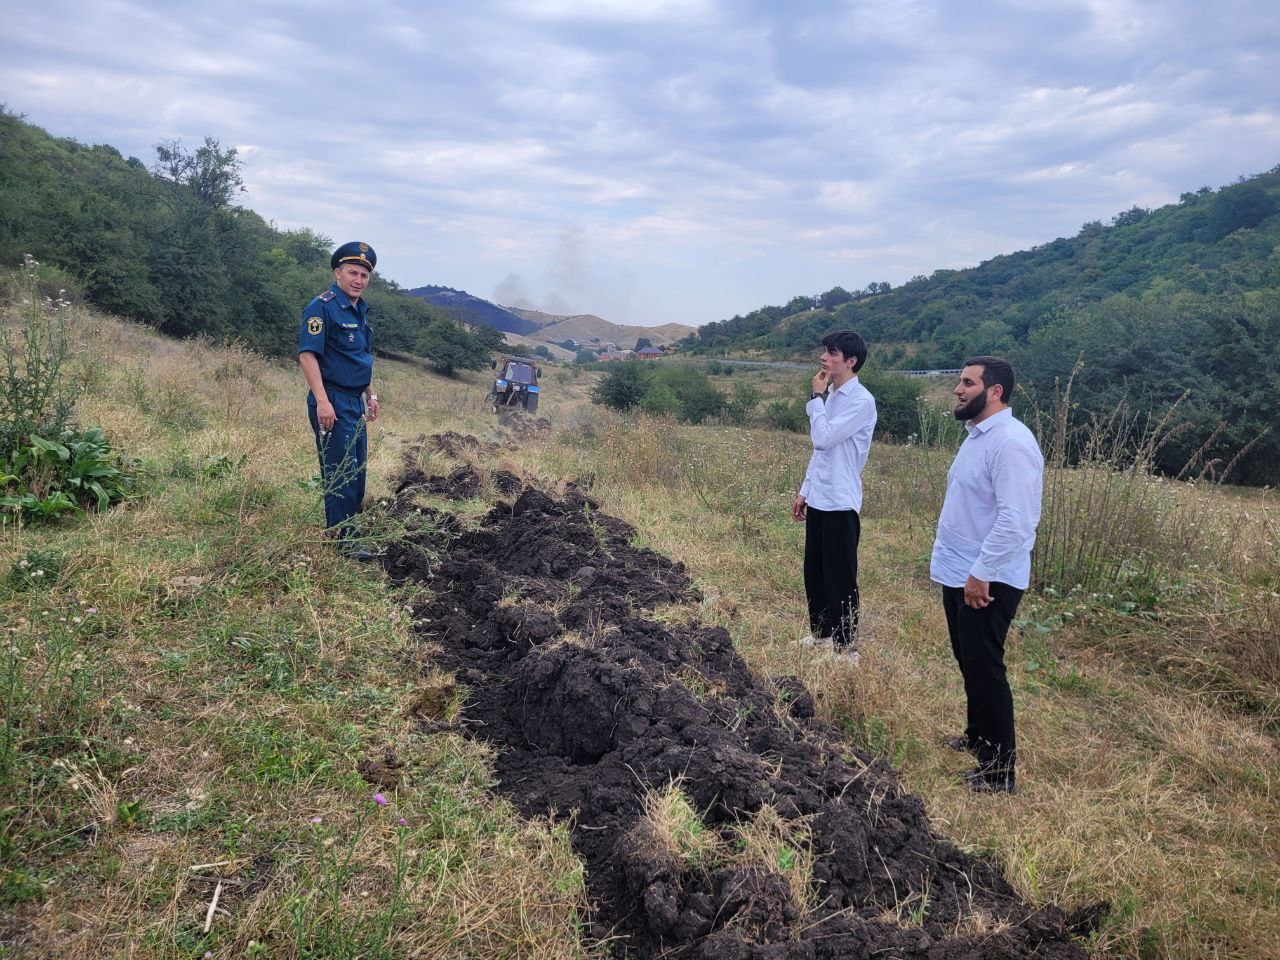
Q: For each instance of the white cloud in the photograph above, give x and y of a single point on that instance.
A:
(612, 11)
(705, 156)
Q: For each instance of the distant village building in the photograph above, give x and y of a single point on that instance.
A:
(648, 353)
(609, 347)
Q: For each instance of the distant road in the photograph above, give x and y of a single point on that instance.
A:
(814, 366)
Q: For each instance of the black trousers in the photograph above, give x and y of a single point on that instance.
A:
(831, 573)
(977, 640)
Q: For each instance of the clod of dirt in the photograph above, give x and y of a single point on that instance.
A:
(542, 612)
(432, 701)
(382, 771)
(453, 444)
(462, 484)
(506, 483)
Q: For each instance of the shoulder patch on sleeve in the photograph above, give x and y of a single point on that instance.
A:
(314, 325)
(326, 296)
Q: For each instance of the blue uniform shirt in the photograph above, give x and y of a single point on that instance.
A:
(338, 333)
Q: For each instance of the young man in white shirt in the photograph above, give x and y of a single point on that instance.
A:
(982, 559)
(842, 418)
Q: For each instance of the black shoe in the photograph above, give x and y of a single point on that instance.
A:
(980, 781)
(959, 744)
(352, 549)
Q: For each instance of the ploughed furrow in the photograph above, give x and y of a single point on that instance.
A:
(716, 816)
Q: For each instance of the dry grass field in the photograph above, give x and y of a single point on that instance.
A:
(199, 690)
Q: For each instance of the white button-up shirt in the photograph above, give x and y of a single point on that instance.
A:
(988, 522)
(841, 429)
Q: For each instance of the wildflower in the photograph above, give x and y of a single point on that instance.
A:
(91, 611)
(403, 822)
(317, 819)
(379, 799)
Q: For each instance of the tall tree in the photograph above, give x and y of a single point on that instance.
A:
(212, 174)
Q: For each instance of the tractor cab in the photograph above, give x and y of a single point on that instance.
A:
(515, 384)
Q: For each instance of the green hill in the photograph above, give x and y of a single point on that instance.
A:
(1212, 243)
(1183, 299)
(166, 246)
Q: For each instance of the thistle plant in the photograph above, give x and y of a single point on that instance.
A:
(48, 467)
(35, 398)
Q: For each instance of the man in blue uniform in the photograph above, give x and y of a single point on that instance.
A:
(335, 350)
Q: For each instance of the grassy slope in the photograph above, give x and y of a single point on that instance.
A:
(235, 673)
(214, 706)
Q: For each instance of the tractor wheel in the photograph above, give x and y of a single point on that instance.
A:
(531, 402)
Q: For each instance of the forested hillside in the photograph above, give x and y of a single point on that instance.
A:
(1212, 243)
(1183, 299)
(165, 245)
(473, 310)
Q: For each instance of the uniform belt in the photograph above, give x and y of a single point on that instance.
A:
(349, 391)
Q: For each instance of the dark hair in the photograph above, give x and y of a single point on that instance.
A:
(995, 370)
(849, 344)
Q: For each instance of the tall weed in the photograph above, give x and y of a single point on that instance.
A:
(35, 397)
(1110, 522)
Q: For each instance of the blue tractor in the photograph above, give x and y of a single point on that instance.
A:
(516, 385)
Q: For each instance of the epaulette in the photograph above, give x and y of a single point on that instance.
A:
(326, 296)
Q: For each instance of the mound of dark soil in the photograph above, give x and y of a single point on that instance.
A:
(541, 614)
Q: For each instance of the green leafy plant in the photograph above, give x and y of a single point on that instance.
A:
(48, 478)
(47, 466)
(131, 813)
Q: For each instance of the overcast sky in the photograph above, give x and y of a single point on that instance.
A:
(672, 160)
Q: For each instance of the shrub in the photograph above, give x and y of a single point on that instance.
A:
(741, 407)
(698, 396)
(681, 389)
(623, 387)
(787, 415)
(659, 401)
(47, 466)
(448, 347)
(897, 404)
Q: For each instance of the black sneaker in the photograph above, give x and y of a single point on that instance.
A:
(959, 744)
(980, 781)
(353, 549)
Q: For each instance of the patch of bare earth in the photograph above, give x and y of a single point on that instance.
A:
(602, 715)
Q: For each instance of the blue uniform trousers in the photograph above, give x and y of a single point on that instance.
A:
(343, 451)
